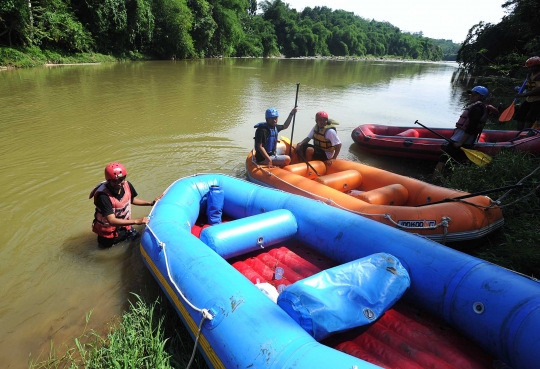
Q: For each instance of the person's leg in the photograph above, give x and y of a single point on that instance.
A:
(533, 114)
(122, 234)
(320, 154)
(281, 160)
(309, 153)
(521, 115)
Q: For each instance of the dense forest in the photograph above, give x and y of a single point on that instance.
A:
(501, 49)
(180, 29)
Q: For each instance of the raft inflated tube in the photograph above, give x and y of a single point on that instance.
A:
(304, 170)
(240, 236)
(394, 194)
(341, 181)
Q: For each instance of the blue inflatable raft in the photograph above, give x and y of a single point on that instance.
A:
(355, 269)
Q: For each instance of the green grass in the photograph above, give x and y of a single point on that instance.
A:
(34, 56)
(516, 245)
(149, 335)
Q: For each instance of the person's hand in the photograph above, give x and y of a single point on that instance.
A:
(157, 199)
(293, 111)
(143, 220)
(297, 147)
(329, 161)
(270, 165)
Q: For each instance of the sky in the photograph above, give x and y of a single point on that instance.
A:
(449, 20)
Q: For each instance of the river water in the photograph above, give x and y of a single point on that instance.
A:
(60, 126)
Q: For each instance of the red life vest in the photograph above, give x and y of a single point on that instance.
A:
(121, 209)
(464, 120)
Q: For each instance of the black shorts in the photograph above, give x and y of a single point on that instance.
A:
(319, 153)
(108, 242)
(455, 153)
(528, 112)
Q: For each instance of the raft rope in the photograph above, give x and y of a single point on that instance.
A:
(204, 312)
(444, 221)
(498, 201)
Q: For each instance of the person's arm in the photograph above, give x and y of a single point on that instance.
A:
(113, 220)
(534, 92)
(335, 141)
(304, 141)
(262, 150)
(289, 118)
(336, 151)
(140, 202)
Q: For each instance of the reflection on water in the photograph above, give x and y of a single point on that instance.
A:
(164, 120)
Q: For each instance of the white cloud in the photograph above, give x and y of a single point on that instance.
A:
(449, 20)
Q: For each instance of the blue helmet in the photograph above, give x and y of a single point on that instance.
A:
(480, 90)
(271, 113)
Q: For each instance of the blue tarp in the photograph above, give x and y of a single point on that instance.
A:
(347, 296)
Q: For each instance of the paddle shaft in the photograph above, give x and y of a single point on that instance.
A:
(432, 131)
(307, 162)
(473, 194)
(294, 117)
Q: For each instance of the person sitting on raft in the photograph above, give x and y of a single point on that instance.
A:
(266, 138)
(326, 143)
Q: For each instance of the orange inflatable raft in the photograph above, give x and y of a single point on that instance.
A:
(399, 201)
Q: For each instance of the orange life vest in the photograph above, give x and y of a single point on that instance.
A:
(121, 209)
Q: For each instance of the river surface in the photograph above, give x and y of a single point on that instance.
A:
(60, 126)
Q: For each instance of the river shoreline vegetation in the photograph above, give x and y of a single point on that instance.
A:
(94, 30)
(150, 333)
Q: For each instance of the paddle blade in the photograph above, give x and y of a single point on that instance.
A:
(508, 113)
(477, 157)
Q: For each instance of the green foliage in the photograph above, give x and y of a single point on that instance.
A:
(516, 246)
(501, 49)
(150, 335)
(202, 28)
(449, 48)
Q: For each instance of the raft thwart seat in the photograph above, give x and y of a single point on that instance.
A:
(341, 181)
(394, 194)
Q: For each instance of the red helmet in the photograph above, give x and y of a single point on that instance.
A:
(321, 114)
(535, 60)
(115, 171)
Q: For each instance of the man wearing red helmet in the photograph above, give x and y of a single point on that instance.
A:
(529, 111)
(326, 143)
(113, 198)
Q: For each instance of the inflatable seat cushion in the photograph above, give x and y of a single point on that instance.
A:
(409, 133)
(394, 194)
(302, 169)
(341, 181)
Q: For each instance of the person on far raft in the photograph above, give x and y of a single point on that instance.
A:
(113, 199)
(266, 138)
(468, 128)
(529, 110)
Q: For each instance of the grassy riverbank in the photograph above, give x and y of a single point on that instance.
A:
(34, 57)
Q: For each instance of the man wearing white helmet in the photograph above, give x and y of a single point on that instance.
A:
(468, 127)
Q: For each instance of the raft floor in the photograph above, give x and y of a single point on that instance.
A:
(404, 337)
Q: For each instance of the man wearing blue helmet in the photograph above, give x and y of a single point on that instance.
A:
(468, 127)
(266, 138)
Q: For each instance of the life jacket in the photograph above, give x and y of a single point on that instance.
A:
(121, 209)
(318, 136)
(271, 142)
(464, 120)
(533, 82)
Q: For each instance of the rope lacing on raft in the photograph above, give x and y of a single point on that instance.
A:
(204, 312)
(498, 201)
(443, 223)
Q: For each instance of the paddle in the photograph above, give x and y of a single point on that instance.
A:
(285, 139)
(477, 157)
(472, 195)
(508, 113)
(294, 116)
